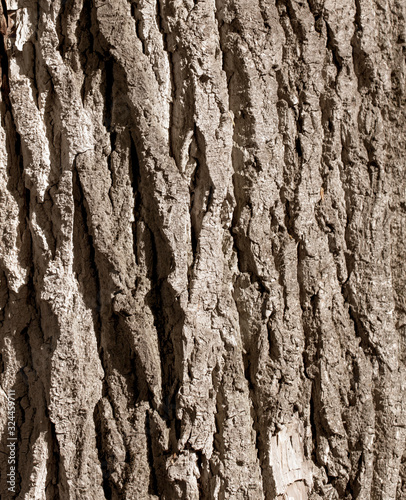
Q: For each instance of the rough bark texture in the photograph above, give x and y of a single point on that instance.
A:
(202, 248)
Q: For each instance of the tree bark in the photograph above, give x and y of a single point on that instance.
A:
(202, 249)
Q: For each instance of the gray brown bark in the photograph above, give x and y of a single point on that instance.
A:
(202, 249)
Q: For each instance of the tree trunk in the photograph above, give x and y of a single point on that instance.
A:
(202, 249)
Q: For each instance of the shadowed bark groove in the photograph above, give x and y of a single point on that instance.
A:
(202, 249)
